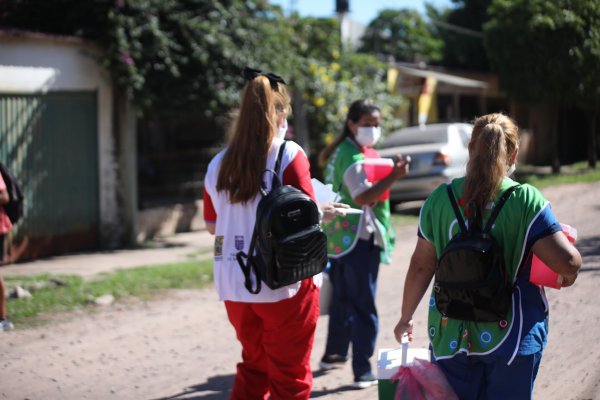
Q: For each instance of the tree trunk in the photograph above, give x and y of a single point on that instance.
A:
(300, 122)
(592, 139)
(553, 116)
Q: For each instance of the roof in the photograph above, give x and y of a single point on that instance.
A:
(442, 77)
(46, 37)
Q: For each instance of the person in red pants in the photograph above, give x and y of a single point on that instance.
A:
(276, 327)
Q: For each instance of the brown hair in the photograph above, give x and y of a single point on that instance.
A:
(355, 112)
(495, 137)
(253, 132)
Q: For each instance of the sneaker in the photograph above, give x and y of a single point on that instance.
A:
(364, 381)
(330, 361)
(6, 325)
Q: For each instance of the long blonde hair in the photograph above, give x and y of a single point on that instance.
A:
(252, 135)
(494, 139)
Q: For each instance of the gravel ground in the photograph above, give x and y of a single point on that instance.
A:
(182, 347)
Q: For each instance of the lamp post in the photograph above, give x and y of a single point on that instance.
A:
(342, 8)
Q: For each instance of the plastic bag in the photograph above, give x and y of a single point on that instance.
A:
(422, 380)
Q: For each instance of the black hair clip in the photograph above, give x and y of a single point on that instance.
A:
(250, 73)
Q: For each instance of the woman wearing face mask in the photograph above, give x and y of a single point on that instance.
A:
(357, 243)
(276, 326)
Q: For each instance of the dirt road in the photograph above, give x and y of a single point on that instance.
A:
(182, 347)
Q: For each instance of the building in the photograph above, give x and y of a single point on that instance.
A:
(69, 136)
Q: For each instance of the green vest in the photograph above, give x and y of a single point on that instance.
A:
(342, 232)
(438, 224)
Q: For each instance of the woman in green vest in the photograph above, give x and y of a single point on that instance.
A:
(491, 359)
(358, 242)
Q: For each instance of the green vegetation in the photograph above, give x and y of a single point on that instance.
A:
(575, 173)
(403, 34)
(546, 54)
(53, 293)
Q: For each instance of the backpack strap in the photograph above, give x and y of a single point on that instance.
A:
(498, 207)
(249, 265)
(276, 182)
(278, 166)
(461, 221)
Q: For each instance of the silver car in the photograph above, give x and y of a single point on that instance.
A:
(439, 154)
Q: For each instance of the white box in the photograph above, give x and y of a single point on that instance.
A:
(389, 360)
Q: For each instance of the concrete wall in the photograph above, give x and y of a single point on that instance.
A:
(165, 221)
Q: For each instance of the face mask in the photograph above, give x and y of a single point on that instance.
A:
(283, 130)
(368, 135)
(511, 169)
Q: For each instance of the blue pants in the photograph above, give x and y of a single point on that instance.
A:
(489, 378)
(352, 312)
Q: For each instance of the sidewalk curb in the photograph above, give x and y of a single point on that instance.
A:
(177, 248)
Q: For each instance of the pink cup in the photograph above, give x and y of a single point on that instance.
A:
(541, 274)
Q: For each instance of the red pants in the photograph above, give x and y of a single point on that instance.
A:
(277, 340)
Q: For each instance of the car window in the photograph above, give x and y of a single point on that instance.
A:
(411, 137)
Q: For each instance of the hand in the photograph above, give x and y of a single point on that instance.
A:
(403, 327)
(569, 280)
(331, 209)
(401, 166)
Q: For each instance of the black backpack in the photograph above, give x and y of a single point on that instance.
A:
(471, 281)
(14, 207)
(287, 243)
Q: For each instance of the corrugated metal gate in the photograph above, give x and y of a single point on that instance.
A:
(50, 143)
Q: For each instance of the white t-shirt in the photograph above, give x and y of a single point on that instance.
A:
(234, 224)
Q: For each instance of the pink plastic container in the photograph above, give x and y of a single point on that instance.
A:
(377, 169)
(541, 274)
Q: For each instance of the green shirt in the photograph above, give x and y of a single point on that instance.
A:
(342, 232)
(438, 224)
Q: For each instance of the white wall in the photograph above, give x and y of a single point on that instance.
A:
(38, 64)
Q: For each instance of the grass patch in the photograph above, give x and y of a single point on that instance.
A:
(541, 177)
(62, 293)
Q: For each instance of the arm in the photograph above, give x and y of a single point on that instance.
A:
(561, 256)
(297, 174)
(4, 198)
(419, 275)
(370, 195)
(210, 227)
(210, 215)
(331, 209)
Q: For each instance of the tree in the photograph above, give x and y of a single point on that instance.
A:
(186, 56)
(460, 29)
(403, 34)
(325, 80)
(548, 53)
(168, 54)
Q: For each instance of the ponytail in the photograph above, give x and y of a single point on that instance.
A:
(494, 139)
(251, 138)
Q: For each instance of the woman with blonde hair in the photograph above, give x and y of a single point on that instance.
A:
(275, 326)
(490, 359)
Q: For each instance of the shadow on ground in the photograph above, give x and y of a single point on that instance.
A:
(215, 388)
(589, 247)
(219, 388)
(408, 208)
